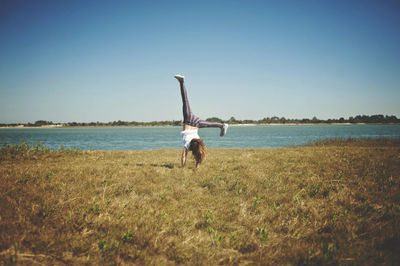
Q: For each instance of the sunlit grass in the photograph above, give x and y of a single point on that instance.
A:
(333, 202)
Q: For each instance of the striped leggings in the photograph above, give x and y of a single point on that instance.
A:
(189, 118)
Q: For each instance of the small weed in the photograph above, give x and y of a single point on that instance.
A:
(218, 237)
(102, 244)
(340, 177)
(127, 236)
(330, 250)
(207, 183)
(256, 202)
(206, 221)
(318, 190)
(263, 235)
(305, 216)
(47, 211)
(105, 182)
(94, 209)
(25, 178)
(12, 259)
(129, 189)
(276, 205)
(162, 196)
(48, 176)
(232, 186)
(114, 245)
(309, 257)
(335, 217)
(106, 248)
(208, 217)
(314, 190)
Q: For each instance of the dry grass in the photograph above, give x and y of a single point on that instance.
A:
(335, 202)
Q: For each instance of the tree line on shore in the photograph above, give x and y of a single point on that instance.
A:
(365, 119)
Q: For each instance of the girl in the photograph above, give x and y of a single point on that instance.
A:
(191, 124)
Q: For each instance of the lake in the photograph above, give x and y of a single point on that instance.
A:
(148, 138)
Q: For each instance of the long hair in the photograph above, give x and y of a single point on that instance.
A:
(199, 150)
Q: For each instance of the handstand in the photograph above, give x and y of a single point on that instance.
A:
(191, 124)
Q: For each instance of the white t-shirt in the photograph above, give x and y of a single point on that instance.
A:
(188, 135)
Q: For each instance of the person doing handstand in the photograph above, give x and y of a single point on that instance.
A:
(191, 124)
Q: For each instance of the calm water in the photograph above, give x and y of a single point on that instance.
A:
(142, 138)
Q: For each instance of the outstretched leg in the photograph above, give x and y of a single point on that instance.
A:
(187, 113)
(189, 118)
(204, 123)
(223, 127)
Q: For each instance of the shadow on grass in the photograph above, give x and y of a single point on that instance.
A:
(167, 165)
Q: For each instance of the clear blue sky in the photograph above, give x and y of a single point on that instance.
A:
(102, 61)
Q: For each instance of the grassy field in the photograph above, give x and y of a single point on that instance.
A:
(333, 202)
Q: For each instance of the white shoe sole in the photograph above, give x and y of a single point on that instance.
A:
(224, 130)
(179, 77)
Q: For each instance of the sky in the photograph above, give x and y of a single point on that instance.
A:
(85, 61)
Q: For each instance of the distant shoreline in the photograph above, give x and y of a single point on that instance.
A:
(266, 121)
(231, 125)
